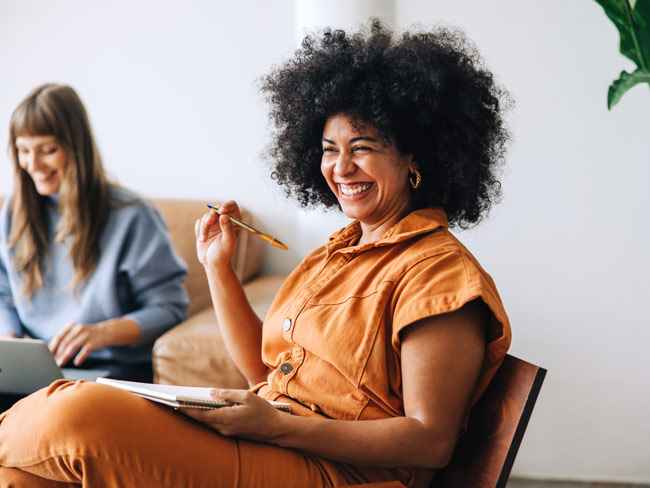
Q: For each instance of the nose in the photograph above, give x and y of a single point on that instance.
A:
(31, 161)
(344, 164)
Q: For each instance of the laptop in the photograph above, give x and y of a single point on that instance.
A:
(27, 365)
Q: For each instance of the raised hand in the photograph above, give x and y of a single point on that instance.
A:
(216, 236)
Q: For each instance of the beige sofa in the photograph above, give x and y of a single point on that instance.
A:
(193, 352)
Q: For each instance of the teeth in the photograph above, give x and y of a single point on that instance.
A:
(43, 176)
(354, 190)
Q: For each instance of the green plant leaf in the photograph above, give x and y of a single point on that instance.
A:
(616, 6)
(616, 11)
(624, 82)
(642, 22)
(633, 23)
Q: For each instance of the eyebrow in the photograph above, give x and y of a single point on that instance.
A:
(354, 139)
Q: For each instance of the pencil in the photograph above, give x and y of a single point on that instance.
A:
(250, 228)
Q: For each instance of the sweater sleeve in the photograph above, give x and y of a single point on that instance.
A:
(155, 275)
(9, 321)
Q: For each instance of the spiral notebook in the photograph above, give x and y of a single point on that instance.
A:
(177, 396)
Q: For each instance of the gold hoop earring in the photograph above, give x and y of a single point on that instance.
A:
(415, 179)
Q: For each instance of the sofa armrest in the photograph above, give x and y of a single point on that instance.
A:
(247, 259)
(193, 353)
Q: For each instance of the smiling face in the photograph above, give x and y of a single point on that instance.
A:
(369, 179)
(43, 158)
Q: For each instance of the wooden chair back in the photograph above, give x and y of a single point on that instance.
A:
(485, 454)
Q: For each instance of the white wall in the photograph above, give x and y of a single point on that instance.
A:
(171, 93)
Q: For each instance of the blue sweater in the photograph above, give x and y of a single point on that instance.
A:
(138, 276)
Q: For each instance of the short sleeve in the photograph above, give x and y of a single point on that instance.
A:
(441, 284)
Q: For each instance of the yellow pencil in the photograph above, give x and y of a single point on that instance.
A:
(252, 229)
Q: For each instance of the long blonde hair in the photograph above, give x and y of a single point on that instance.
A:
(57, 110)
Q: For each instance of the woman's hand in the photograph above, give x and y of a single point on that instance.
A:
(76, 337)
(216, 236)
(86, 338)
(251, 417)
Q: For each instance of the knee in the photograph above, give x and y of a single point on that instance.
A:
(65, 411)
(11, 478)
(65, 419)
(16, 478)
(83, 409)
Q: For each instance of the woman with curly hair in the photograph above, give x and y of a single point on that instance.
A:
(381, 340)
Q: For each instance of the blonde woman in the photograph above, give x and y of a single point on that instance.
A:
(84, 264)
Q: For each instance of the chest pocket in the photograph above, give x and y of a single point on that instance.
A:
(343, 330)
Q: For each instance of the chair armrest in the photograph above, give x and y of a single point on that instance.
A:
(193, 353)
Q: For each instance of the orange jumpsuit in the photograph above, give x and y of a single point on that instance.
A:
(332, 340)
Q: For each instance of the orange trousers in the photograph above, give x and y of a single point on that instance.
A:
(98, 436)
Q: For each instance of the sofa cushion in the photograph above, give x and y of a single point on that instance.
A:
(194, 354)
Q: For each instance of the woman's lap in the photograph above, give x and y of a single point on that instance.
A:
(114, 438)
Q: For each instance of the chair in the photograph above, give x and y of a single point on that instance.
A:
(485, 454)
